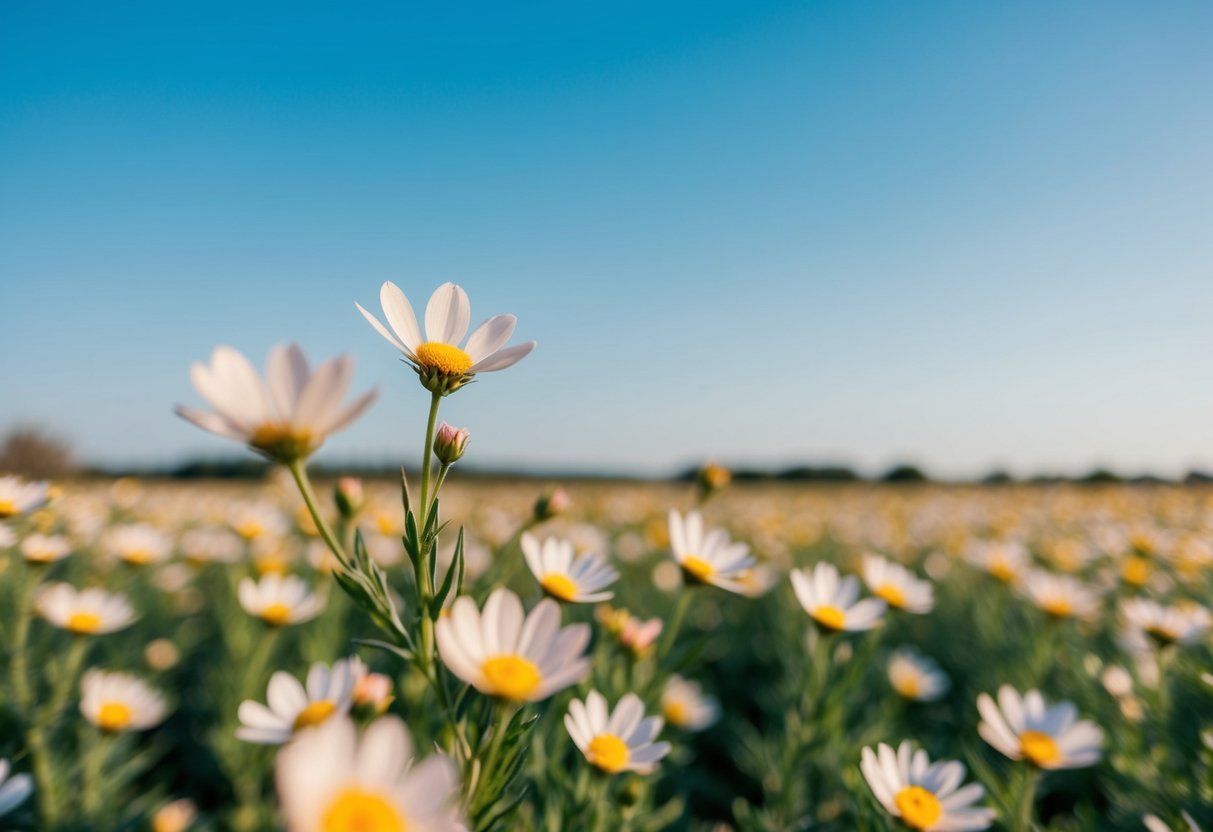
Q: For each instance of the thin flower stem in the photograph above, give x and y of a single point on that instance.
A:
(675, 624)
(19, 669)
(299, 472)
(1027, 801)
(426, 451)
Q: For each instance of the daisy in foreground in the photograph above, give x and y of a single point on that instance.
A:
(287, 416)
(1060, 596)
(832, 602)
(685, 705)
(505, 654)
(1163, 625)
(708, 558)
(619, 741)
(116, 702)
(279, 600)
(293, 707)
(441, 363)
(915, 676)
(330, 780)
(1026, 727)
(899, 587)
(90, 611)
(13, 790)
(574, 581)
(921, 794)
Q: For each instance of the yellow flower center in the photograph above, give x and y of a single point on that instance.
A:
(1039, 747)
(84, 622)
(892, 594)
(276, 614)
(831, 618)
(559, 586)
(1162, 633)
(355, 810)
(1002, 570)
(906, 684)
(1057, 607)
(283, 441)
(113, 716)
(1135, 571)
(272, 564)
(608, 752)
(698, 568)
(139, 557)
(314, 714)
(511, 677)
(250, 529)
(676, 713)
(445, 358)
(8, 508)
(918, 807)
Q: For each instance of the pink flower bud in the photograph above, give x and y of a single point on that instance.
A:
(373, 692)
(348, 496)
(450, 443)
(551, 503)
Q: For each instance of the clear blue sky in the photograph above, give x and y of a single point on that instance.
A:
(960, 233)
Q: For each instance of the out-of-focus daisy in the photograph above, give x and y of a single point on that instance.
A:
(14, 789)
(504, 653)
(639, 635)
(1060, 596)
(924, 795)
(1164, 625)
(832, 602)
(619, 741)
(1006, 560)
(757, 581)
(210, 545)
(293, 706)
(255, 521)
(18, 496)
(899, 587)
(441, 363)
(45, 548)
(330, 780)
(279, 600)
(177, 816)
(91, 611)
(8, 537)
(685, 705)
(285, 417)
(915, 676)
(708, 557)
(138, 544)
(116, 702)
(572, 580)
(1048, 736)
(1156, 824)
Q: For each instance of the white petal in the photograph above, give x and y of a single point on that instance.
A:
(447, 315)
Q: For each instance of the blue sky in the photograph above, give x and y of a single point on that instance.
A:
(963, 234)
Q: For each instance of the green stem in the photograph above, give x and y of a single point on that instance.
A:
(675, 623)
(426, 452)
(299, 472)
(66, 681)
(19, 669)
(1027, 801)
(94, 752)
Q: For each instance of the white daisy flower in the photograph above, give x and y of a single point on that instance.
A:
(13, 790)
(505, 654)
(619, 741)
(91, 611)
(441, 363)
(565, 578)
(293, 706)
(897, 585)
(285, 417)
(116, 702)
(211, 545)
(1006, 560)
(19, 497)
(1049, 737)
(832, 602)
(924, 795)
(257, 521)
(1060, 596)
(330, 780)
(1178, 624)
(45, 548)
(279, 600)
(685, 705)
(708, 558)
(915, 676)
(138, 544)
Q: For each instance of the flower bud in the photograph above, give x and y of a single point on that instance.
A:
(551, 503)
(373, 694)
(348, 496)
(450, 443)
(712, 478)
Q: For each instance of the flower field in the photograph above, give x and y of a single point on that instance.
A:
(467, 653)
